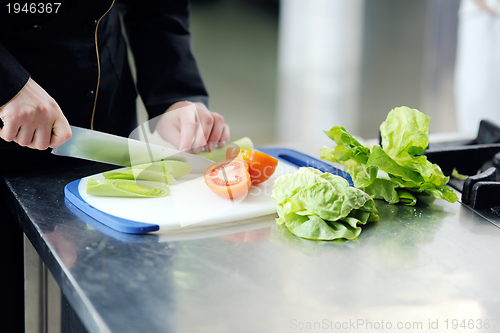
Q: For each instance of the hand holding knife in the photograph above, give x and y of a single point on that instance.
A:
(33, 119)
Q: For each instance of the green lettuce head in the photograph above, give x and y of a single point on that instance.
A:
(395, 172)
(321, 206)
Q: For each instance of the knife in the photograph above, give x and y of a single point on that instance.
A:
(112, 149)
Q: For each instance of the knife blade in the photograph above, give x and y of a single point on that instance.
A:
(117, 150)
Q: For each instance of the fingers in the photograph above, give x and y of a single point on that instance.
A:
(215, 130)
(220, 132)
(205, 124)
(9, 131)
(178, 125)
(25, 136)
(41, 139)
(192, 127)
(188, 127)
(224, 138)
(61, 132)
(33, 119)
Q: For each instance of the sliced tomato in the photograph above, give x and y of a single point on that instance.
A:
(261, 166)
(228, 179)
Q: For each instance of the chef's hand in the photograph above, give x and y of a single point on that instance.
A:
(33, 119)
(192, 127)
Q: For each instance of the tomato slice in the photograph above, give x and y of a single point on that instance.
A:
(228, 179)
(261, 166)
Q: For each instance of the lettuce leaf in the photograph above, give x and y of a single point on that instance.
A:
(397, 171)
(405, 132)
(348, 148)
(321, 206)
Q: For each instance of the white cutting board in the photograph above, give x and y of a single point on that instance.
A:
(190, 203)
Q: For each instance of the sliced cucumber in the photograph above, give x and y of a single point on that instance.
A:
(126, 188)
(166, 171)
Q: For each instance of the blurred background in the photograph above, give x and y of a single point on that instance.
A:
(236, 44)
(285, 70)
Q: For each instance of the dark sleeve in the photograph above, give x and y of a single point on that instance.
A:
(158, 33)
(13, 77)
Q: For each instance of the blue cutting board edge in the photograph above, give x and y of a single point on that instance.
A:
(133, 227)
(127, 226)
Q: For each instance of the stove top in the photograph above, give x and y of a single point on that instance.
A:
(480, 160)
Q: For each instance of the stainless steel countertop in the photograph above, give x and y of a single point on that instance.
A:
(413, 270)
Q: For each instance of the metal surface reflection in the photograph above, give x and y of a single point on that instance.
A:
(426, 264)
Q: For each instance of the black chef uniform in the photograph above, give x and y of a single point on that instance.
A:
(90, 81)
(78, 55)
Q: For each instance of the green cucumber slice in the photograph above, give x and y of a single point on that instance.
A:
(126, 188)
